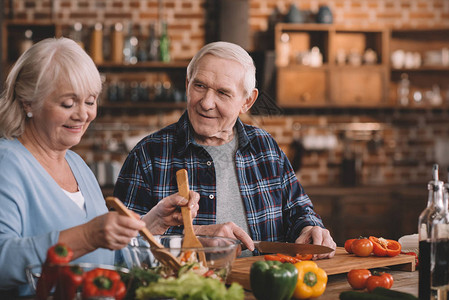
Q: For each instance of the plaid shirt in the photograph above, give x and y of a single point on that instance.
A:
(277, 207)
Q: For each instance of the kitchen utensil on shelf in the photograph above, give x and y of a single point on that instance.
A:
(164, 257)
(290, 248)
(190, 239)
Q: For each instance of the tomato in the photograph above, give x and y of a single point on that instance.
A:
(362, 247)
(348, 245)
(384, 247)
(272, 257)
(413, 254)
(304, 256)
(357, 278)
(381, 279)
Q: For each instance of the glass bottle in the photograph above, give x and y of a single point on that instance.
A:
(439, 255)
(164, 44)
(77, 34)
(404, 90)
(117, 43)
(130, 46)
(27, 41)
(152, 44)
(96, 43)
(425, 222)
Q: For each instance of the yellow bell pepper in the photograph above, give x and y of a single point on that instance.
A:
(312, 280)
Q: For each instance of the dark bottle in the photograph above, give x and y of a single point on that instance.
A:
(439, 251)
(152, 44)
(425, 222)
(164, 45)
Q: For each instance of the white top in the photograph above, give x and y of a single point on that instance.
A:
(76, 197)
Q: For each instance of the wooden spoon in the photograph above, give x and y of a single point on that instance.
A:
(190, 239)
(164, 257)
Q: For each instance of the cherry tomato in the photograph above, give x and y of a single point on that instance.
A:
(362, 247)
(384, 247)
(348, 245)
(357, 278)
(381, 279)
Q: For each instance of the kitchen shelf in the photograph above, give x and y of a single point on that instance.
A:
(332, 84)
(171, 75)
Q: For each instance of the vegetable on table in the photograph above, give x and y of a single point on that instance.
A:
(190, 286)
(287, 258)
(379, 279)
(273, 280)
(348, 245)
(311, 282)
(357, 278)
(385, 247)
(69, 281)
(362, 247)
(103, 283)
(56, 255)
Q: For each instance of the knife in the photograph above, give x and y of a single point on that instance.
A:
(290, 248)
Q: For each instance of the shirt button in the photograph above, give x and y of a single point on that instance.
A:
(209, 163)
(211, 196)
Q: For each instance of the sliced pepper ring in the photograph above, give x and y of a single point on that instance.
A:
(384, 247)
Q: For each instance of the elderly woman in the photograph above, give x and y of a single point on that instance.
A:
(47, 192)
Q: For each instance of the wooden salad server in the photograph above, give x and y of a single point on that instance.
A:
(163, 256)
(190, 239)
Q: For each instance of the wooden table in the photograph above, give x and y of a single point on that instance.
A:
(403, 281)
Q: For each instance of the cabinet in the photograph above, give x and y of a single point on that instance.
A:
(325, 65)
(143, 85)
(422, 56)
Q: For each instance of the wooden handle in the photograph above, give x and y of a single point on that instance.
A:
(183, 183)
(118, 206)
(183, 189)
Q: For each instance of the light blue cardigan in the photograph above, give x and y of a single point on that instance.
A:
(34, 209)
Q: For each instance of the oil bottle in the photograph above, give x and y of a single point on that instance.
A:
(439, 251)
(425, 222)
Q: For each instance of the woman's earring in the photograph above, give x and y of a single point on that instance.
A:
(29, 114)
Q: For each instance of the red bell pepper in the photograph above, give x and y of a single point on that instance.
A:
(56, 255)
(103, 282)
(70, 279)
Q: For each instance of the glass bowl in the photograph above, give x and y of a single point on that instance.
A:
(220, 252)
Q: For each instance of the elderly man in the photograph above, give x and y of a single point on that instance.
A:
(247, 186)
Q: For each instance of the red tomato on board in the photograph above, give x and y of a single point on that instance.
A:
(362, 247)
(348, 245)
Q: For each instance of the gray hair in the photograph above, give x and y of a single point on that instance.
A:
(36, 75)
(228, 51)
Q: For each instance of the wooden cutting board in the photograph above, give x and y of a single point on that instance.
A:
(342, 262)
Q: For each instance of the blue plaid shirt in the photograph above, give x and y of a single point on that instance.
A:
(276, 205)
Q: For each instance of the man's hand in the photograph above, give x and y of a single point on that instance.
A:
(167, 213)
(317, 236)
(228, 229)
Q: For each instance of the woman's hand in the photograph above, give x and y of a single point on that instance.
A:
(228, 229)
(110, 231)
(167, 212)
(317, 236)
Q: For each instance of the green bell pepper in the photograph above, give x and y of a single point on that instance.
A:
(273, 280)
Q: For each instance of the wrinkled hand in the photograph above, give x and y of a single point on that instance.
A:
(228, 229)
(167, 213)
(111, 231)
(317, 236)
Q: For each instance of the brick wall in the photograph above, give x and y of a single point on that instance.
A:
(392, 147)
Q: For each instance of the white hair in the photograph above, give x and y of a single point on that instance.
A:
(38, 73)
(228, 51)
